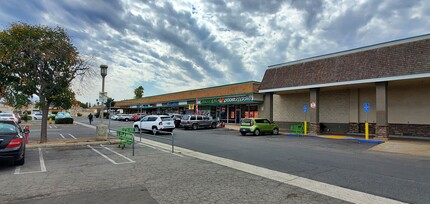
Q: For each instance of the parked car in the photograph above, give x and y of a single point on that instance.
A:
(12, 143)
(124, 117)
(258, 126)
(8, 116)
(155, 123)
(137, 116)
(36, 116)
(177, 119)
(63, 118)
(197, 121)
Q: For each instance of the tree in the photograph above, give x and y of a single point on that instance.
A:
(110, 102)
(138, 92)
(39, 60)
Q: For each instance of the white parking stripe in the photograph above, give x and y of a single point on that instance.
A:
(42, 161)
(62, 136)
(161, 149)
(72, 136)
(106, 157)
(55, 126)
(117, 153)
(42, 166)
(304, 183)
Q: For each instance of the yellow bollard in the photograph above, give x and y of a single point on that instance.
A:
(305, 128)
(366, 130)
(50, 120)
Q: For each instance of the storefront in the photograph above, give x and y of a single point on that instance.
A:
(228, 103)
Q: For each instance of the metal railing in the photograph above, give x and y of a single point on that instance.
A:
(154, 134)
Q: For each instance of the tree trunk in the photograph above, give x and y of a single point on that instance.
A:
(44, 129)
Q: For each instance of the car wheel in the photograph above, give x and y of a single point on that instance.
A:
(256, 132)
(195, 126)
(213, 126)
(21, 161)
(126, 120)
(243, 133)
(154, 130)
(136, 128)
(275, 131)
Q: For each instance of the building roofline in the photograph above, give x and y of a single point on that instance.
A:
(363, 81)
(192, 90)
(355, 50)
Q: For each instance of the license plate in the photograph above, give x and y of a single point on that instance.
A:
(244, 130)
(168, 123)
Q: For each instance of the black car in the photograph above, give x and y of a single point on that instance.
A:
(12, 143)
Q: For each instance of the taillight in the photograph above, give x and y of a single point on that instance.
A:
(15, 143)
(188, 122)
(11, 118)
(161, 123)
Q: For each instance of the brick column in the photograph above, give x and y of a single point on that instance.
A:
(382, 128)
(314, 112)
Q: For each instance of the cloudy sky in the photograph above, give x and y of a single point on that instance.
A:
(170, 46)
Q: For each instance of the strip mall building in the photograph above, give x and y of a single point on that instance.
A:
(387, 85)
(228, 103)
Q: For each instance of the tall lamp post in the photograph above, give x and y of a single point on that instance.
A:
(102, 128)
(103, 72)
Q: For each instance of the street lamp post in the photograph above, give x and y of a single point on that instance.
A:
(102, 128)
(103, 72)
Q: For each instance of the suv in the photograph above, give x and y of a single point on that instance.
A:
(258, 126)
(137, 116)
(155, 123)
(197, 121)
(124, 117)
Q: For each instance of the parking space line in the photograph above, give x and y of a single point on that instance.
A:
(131, 161)
(62, 136)
(42, 166)
(101, 154)
(72, 136)
(163, 150)
(42, 161)
(55, 126)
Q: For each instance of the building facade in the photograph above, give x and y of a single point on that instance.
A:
(387, 85)
(228, 103)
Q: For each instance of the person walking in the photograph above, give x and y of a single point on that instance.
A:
(90, 118)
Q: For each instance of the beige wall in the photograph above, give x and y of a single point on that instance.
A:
(334, 106)
(409, 102)
(289, 107)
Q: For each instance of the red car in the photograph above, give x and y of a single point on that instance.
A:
(137, 116)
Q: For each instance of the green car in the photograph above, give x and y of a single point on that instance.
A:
(258, 126)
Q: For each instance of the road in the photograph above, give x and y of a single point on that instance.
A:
(338, 162)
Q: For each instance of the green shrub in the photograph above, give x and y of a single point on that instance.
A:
(52, 116)
(64, 121)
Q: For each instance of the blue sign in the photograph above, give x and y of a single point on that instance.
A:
(305, 108)
(366, 107)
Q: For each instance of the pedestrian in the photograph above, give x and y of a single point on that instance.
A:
(90, 118)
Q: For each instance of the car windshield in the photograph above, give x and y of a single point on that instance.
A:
(7, 128)
(67, 115)
(186, 117)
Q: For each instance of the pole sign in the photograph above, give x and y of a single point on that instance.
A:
(305, 108)
(103, 97)
(313, 104)
(366, 107)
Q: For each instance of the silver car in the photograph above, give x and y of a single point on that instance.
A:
(197, 121)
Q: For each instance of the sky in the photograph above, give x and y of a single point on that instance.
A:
(171, 46)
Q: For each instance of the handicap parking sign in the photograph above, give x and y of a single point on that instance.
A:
(305, 108)
(366, 107)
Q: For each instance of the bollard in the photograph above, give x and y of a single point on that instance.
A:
(26, 133)
(50, 120)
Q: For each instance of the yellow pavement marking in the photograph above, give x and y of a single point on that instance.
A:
(336, 137)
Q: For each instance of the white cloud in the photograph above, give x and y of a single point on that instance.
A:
(180, 45)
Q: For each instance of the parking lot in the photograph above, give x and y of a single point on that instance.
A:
(108, 174)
